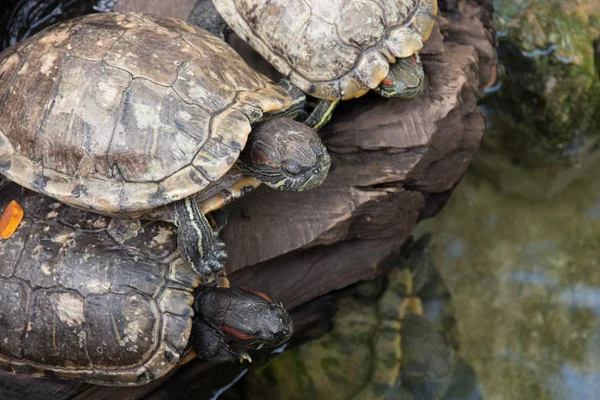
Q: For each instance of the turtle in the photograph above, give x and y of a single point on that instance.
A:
(130, 115)
(382, 345)
(332, 50)
(109, 301)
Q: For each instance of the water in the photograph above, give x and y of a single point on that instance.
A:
(525, 284)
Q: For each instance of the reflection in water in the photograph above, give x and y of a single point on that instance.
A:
(524, 270)
(574, 384)
(235, 380)
(525, 288)
(391, 338)
(543, 130)
(524, 277)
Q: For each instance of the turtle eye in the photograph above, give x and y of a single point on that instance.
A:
(292, 166)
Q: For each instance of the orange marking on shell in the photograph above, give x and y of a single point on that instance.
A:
(258, 293)
(11, 218)
(235, 333)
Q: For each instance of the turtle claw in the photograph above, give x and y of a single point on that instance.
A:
(245, 356)
(214, 263)
(222, 256)
(219, 245)
(219, 253)
(209, 269)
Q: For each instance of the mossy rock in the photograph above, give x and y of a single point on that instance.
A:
(542, 114)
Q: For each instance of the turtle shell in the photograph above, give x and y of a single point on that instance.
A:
(335, 49)
(91, 298)
(120, 113)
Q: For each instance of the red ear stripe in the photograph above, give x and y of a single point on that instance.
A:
(235, 333)
(387, 81)
(262, 158)
(258, 293)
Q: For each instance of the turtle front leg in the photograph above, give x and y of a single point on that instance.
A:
(321, 114)
(210, 343)
(316, 119)
(197, 240)
(406, 79)
(205, 15)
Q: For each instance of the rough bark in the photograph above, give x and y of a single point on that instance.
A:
(394, 162)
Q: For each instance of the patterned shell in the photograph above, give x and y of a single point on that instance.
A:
(82, 304)
(120, 113)
(336, 48)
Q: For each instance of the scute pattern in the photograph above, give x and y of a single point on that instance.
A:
(156, 57)
(56, 322)
(81, 117)
(71, 269)
(166, 131)
(113, 112)
(29, 96)
(320, 46)
(14, 296)
(361, 23)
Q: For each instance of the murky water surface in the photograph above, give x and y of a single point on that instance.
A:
(525, 283)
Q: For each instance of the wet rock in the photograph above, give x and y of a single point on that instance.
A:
(543, 112)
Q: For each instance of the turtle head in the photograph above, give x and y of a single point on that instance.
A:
(265, 324)
(285, 155)
(405, 78)
(246, 318)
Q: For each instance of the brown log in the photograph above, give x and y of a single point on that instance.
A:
(395, 162)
